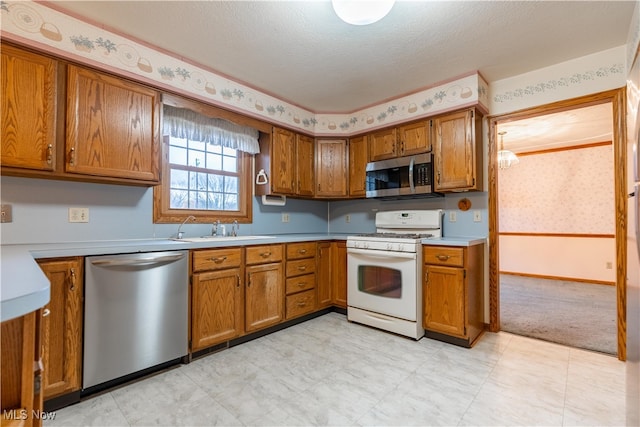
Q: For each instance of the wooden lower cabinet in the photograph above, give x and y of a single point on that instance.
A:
(323, 275)
(263, 296)
(20, 371)
(217, 296)
(300, 279)
(62, 326)
(339, 274)
(453, 293)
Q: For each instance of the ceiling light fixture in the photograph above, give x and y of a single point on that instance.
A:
(356, 12)
(505, 157)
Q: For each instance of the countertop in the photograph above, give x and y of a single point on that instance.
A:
(25, 288)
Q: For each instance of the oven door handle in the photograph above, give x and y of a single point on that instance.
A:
(382, 254)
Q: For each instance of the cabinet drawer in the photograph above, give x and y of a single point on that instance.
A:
(442, 255)
(301, 303)
(216, 259)
(301, 250)
(301, 283)
(301, 266)
(263, 254)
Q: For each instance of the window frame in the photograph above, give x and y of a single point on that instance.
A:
(163, 214)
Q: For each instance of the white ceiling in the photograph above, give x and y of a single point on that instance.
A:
(301, 52)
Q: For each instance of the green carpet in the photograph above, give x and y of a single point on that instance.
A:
(581, 315)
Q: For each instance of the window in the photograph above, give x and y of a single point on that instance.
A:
(207, 168)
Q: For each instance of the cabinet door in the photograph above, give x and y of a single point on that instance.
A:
(455, 156)
(28, 110)
(339, 273)
(444, 300)
(283, 161)
(112, 127)
(217, 308)
(264, 296)
(19, 371)
(305, 163)
(382, 144)
(414, 138)
(62, 327)
(331, 168)
(358, 159)
(323, 275)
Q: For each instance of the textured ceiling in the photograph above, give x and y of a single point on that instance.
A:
(299, 51)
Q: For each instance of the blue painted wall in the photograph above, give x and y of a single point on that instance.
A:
(40, 214)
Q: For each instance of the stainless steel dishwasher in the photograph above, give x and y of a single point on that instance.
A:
(136, 313)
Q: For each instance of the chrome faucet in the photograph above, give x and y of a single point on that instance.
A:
(234, 228)
(215, 227)
(179, 233)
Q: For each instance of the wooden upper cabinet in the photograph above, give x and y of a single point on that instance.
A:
(305, 165)
(382, 144)
(331, 168)
(28, 110)
(458, 151)
(283, 152)
(113, 127)
(358, 159)
(414, 138)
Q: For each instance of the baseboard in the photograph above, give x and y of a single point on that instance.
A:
(569, 279)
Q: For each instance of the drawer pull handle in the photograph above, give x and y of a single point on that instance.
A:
(49, 154)
(302, 267)
(72, 156)
(302, 284)
(46, 312)
(218, 260)
(265, 254)
(301, 304)
(443, 257)
(73, 279)
(302, 251)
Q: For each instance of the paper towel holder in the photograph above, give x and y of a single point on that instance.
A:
(273, 200)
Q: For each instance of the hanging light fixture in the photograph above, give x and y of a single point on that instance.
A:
(505, 157)
(357, 12)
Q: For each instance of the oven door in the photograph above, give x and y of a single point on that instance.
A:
(383, 282)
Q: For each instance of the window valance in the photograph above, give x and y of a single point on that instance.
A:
(185, 123)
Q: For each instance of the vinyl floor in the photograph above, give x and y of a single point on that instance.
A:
(328, 371)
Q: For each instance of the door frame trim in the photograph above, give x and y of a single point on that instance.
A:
(617, 98)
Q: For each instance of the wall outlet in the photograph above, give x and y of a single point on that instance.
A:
(7, 214)
(347, 218)
(285, 217)
(78, 214)
(477, 216)
(453, 217)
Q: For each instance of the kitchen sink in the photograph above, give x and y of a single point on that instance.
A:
(221, 238)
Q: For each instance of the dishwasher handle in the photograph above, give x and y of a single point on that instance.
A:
(146, 261)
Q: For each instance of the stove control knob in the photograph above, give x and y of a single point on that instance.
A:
(365, 245)
(389, 246)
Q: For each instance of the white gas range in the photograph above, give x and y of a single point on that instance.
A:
(384, 271)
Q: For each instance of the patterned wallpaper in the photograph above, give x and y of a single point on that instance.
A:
(568, 191)
(35, 24)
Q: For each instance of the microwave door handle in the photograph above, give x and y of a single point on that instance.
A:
(411, 184)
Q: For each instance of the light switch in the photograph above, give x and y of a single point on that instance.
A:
(477, 216)
(453, 217)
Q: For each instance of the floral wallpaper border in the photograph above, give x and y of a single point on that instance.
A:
(560, 83)
(43, 25)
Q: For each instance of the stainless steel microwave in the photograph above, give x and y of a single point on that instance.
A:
(410, 176)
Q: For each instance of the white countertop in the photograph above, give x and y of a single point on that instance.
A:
(24, 287)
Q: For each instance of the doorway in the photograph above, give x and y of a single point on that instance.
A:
(616, 98)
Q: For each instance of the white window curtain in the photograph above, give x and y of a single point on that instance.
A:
(187, 124)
